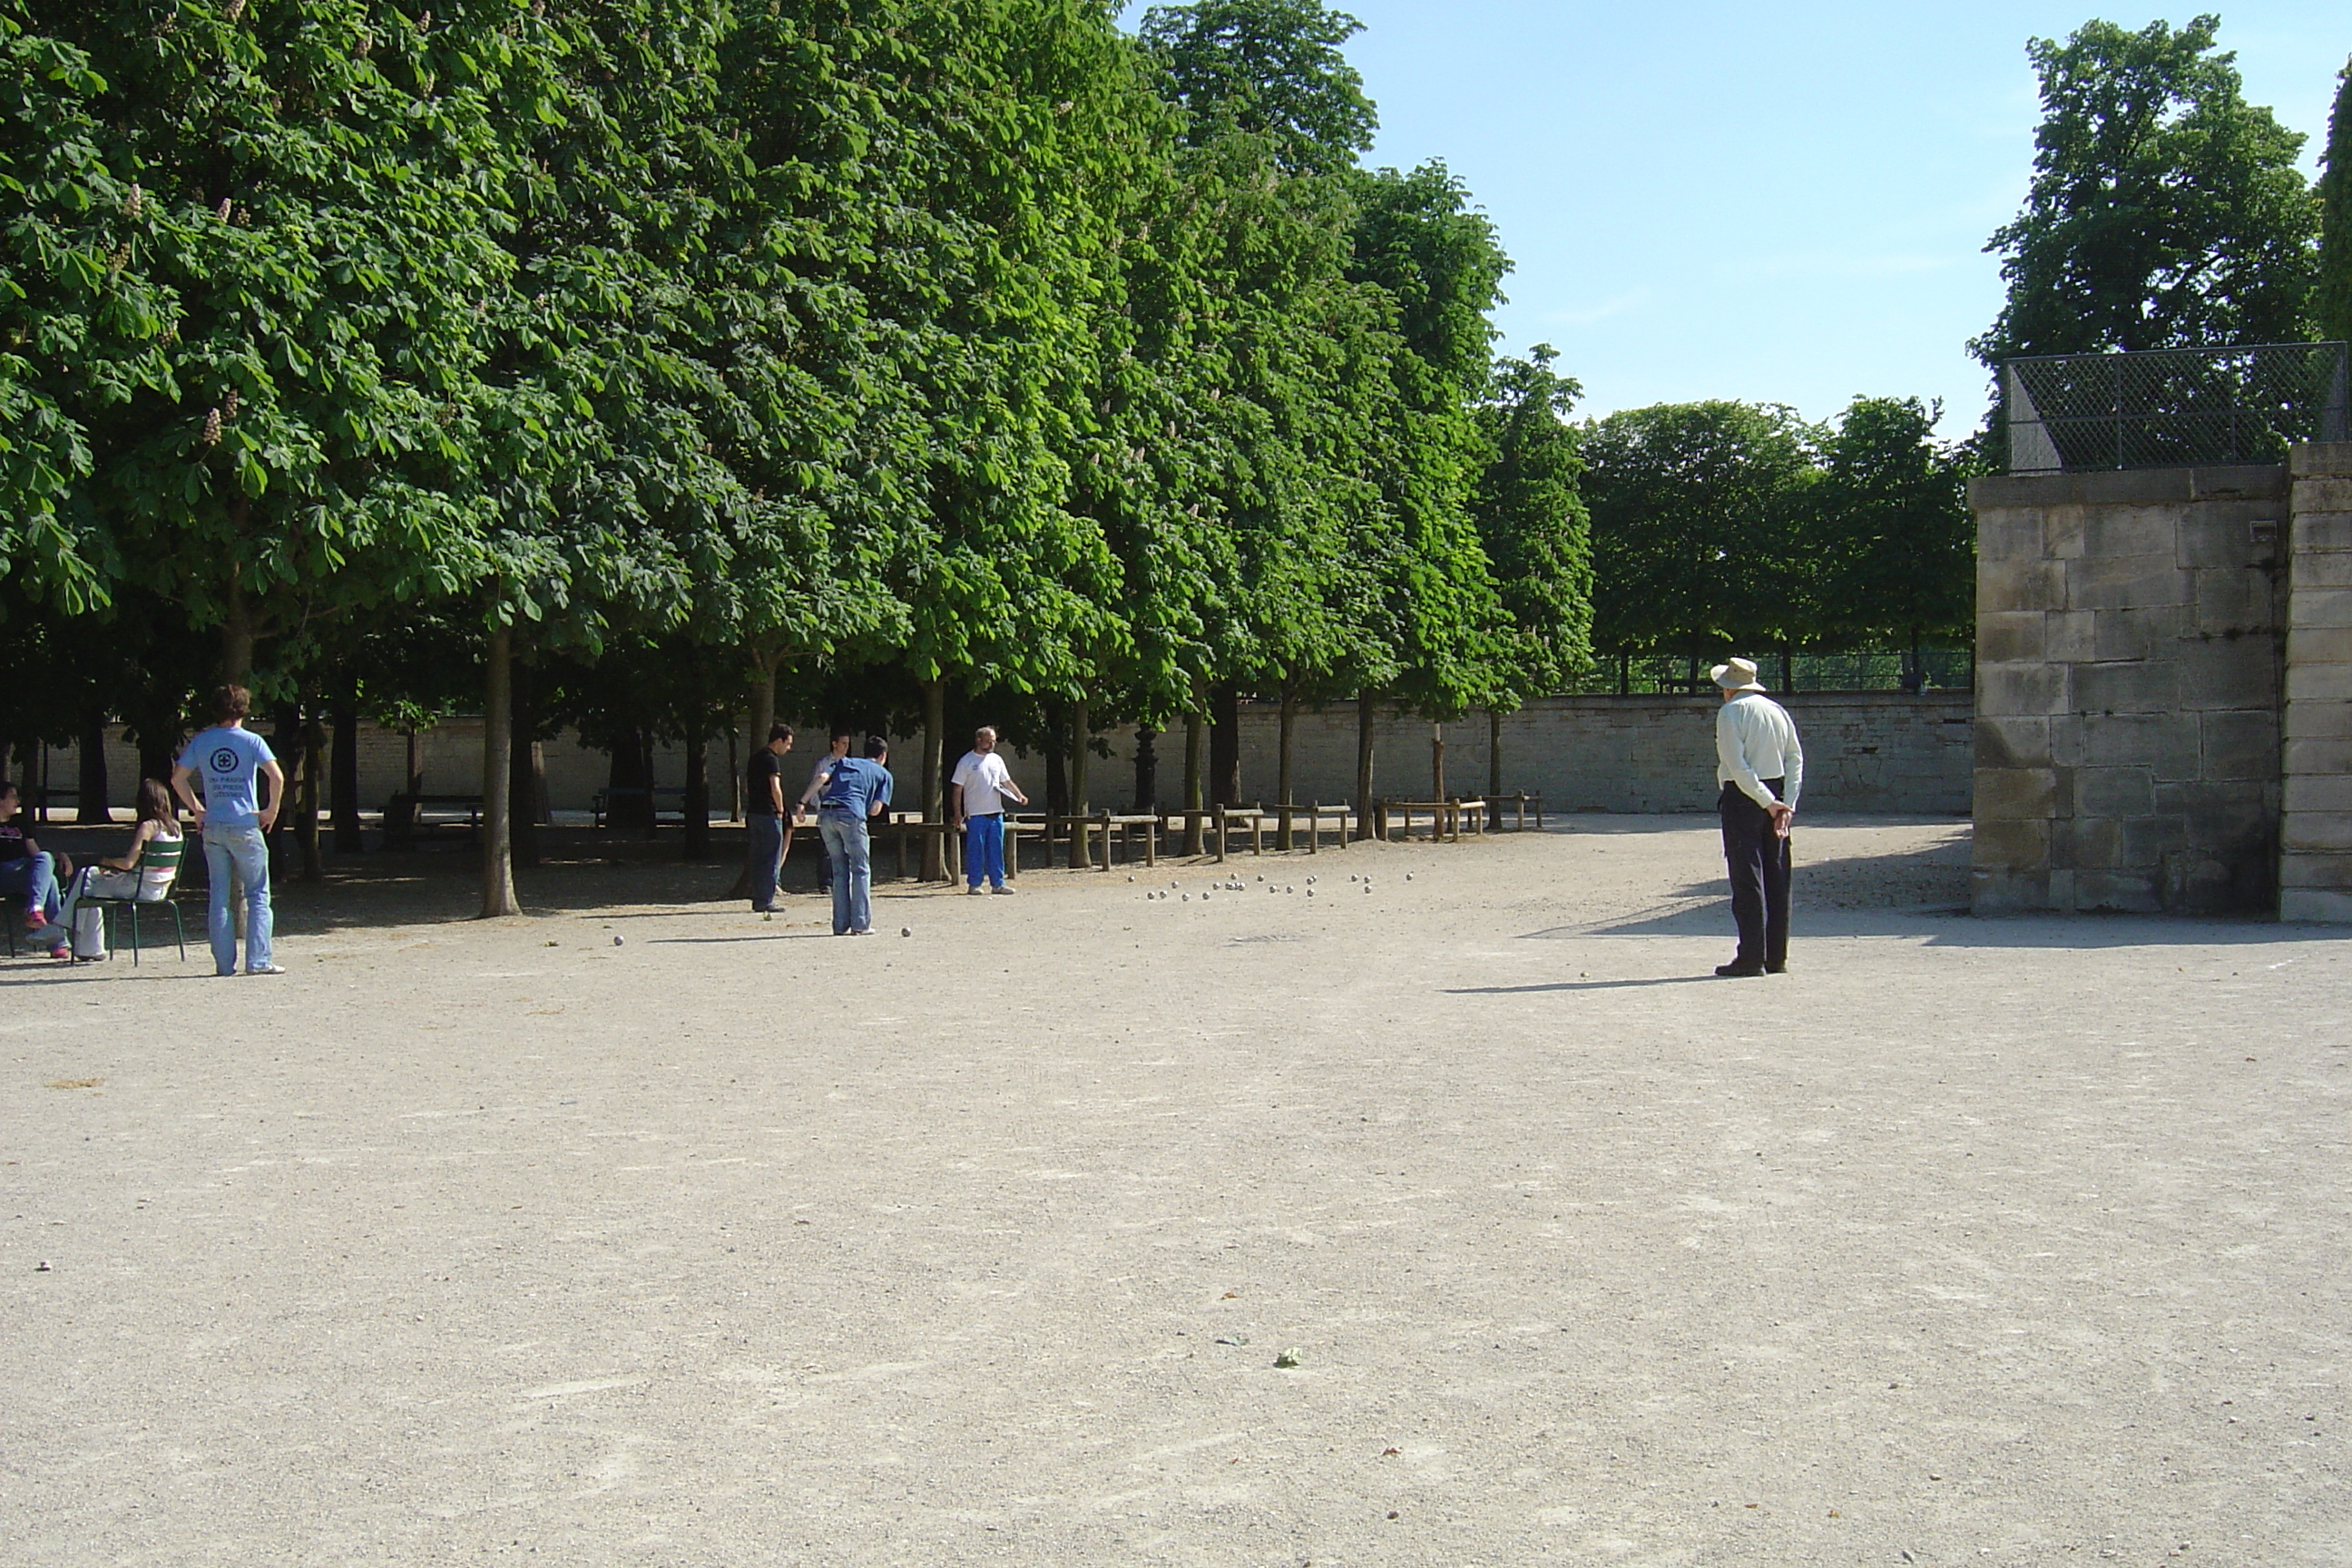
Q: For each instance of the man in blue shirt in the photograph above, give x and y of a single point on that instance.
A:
(229, 758)
(849, 792)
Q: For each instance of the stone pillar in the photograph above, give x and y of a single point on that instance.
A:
(2316, 834)
(2127, 689)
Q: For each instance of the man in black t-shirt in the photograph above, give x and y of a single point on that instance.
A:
(764, 814)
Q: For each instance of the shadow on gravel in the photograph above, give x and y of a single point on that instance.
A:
(1949, 927)
(699, 940)
(1583, 985)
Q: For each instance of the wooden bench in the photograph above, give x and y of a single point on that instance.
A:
(600, 805)
(1445, 818)
(907, 828)
(405, 815)
(1523, 800)
(1124, 822)
(1315, 815)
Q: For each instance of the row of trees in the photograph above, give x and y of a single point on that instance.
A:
(629, 356)
(1727, 524)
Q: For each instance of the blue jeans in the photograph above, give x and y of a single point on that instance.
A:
(983, 849)
(848, 845)
(34, 879)
(244, 853)
(767, 835)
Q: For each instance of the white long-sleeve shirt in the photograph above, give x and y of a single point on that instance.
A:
(1756, 740)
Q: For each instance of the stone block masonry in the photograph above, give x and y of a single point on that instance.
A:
(1879, 752)
(2315, 829)
(2131, 642)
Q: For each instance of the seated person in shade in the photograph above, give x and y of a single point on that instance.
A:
(28, 872)
(123, 876)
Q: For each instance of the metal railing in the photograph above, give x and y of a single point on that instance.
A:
(2171, 408)
(1938, 669)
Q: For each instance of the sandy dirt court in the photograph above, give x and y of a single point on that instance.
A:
(2005, 1242)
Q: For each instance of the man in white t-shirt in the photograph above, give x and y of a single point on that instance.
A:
(977, 792)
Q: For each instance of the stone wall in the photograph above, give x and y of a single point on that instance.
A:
(2129, 643)
(1867, 751)
(2316, 834)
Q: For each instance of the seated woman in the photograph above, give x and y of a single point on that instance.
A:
(159, 823)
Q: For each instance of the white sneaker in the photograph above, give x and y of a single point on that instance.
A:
(975, 890)
(267, 969)
(1005, 887)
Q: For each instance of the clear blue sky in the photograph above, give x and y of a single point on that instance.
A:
(1778, 203)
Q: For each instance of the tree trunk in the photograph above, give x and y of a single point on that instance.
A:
(161, 702)
(698, 795)
(285, 740)
(1196, 734)
(630, 782)
(1787, 673)
(343, 783)
(1495, 767)
(1282, 764)
(415, 760)
(1080, 736)
(237, 639)
(935, 734)
(498, 779)
(755, 734)
(91, 805)
(1057, 776)
(1225, 745)
(758, 720)
(306, 830)
(1367, 729)
(1147, 769)
(524, 780)
(1436, 761)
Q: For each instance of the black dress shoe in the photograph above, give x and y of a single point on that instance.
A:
(1738, 971)
(1780, 968)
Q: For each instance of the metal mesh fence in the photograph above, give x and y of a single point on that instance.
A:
(2173, 407)
(1940, 669)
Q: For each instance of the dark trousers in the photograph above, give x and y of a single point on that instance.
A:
(766, 837)
(1757, 860)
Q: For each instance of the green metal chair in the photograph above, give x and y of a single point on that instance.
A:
(160, 855)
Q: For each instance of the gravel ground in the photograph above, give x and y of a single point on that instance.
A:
(2015, 1242)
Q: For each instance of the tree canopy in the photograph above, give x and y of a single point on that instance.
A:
(2332, 299)
(2165, 211)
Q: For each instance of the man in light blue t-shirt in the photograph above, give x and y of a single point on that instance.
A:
(849, 792)
(229, 758)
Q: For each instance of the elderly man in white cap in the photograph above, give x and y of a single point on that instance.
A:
(1762, 768)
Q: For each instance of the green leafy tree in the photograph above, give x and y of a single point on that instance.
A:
(2332, 299)
(1435, 259)
(2165, 211)
(1533, 525)
(84, 327)
(320, 218)
(1694, 506)
(1265, 67)
(1888, 542)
